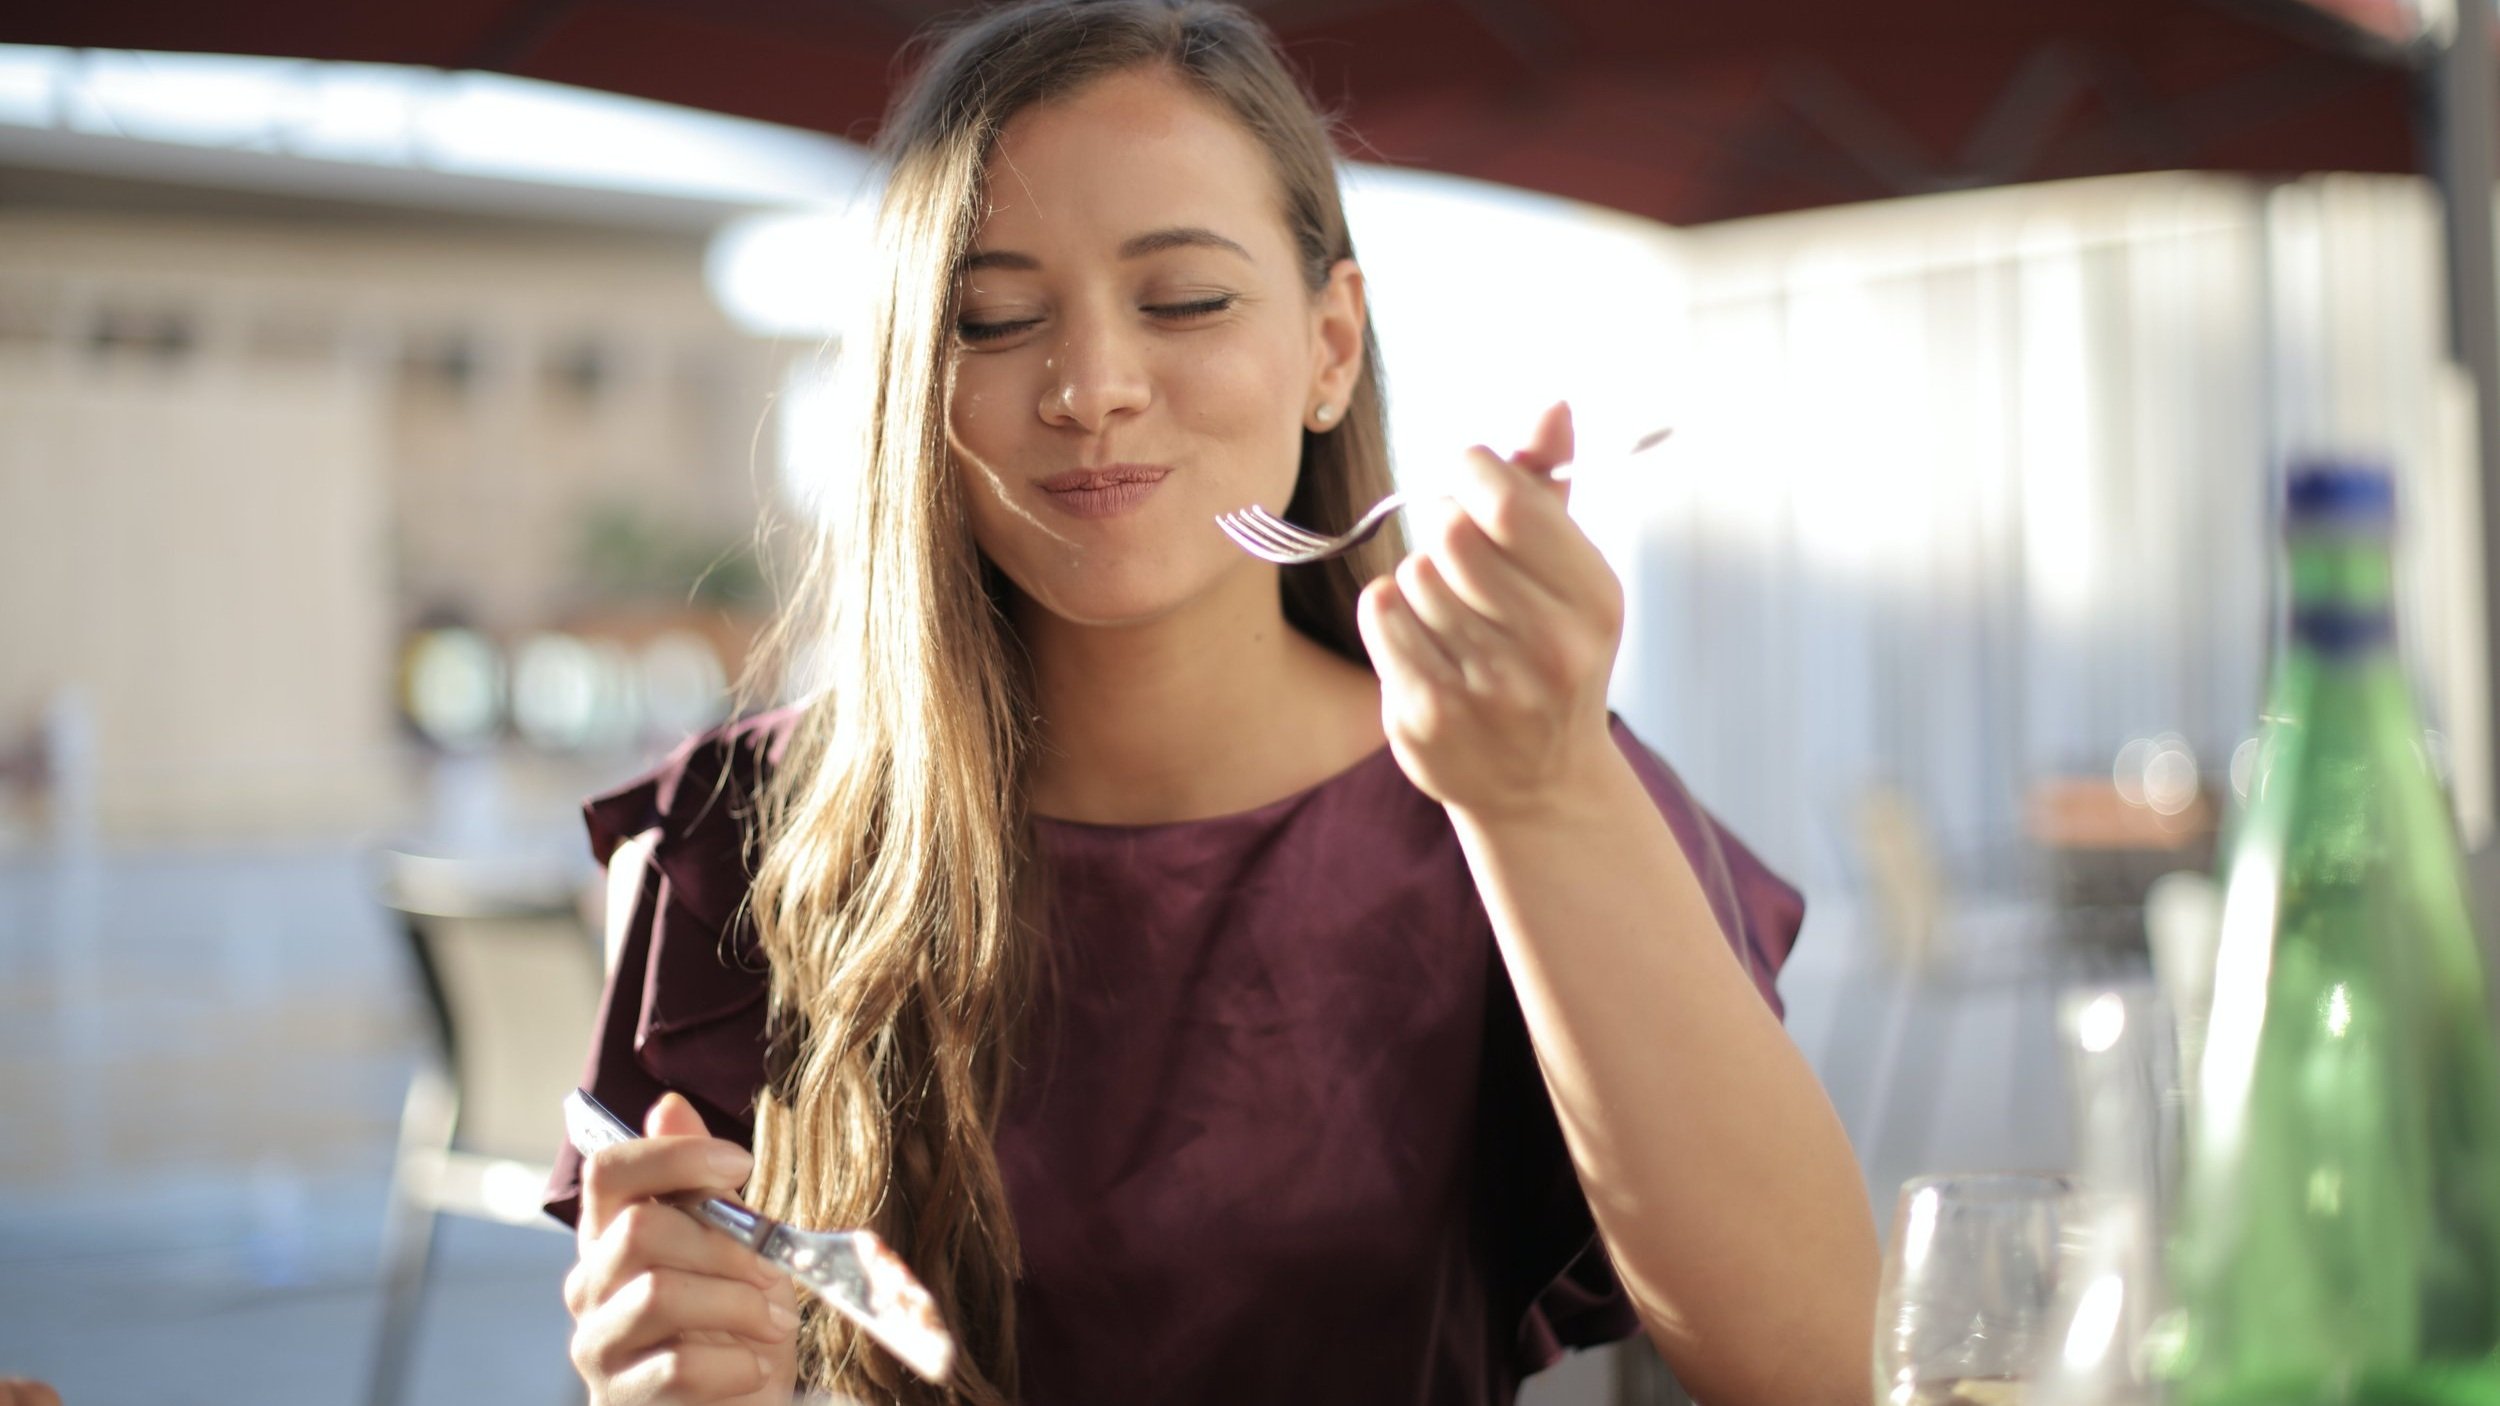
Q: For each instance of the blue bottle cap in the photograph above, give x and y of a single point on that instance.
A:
(2339, 493)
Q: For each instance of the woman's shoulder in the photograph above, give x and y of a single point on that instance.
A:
(699, 803)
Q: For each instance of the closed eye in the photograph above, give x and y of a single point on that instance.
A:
(1183, 312)
(994, 331)
(978, 332)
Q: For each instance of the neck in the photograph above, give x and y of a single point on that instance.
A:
(1216, 708)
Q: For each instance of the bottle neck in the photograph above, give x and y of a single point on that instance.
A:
(2343, 591)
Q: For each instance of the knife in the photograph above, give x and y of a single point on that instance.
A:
(851, 1270)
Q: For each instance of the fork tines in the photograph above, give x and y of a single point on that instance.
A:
(1271, 538)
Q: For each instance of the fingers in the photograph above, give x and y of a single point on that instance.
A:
(674, 1162)
(1398, 642)
(673, 1116)
(673, 1334)
(667, 1308)
(1526, 519)
(19, 1391)
(653, 1235)
(1463, 567)
(1505, 601)
(1474, 645)
(1514, 554)
(690, 1372)
(1469, 656)
(1551, 446)
(659, 1306)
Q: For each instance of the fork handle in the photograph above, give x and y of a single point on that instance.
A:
(1565, 472)
(748, 1226)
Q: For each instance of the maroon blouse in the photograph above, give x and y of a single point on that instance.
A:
(1282, 1135)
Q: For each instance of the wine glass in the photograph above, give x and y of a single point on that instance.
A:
(1970, 1291)
(2114, 1334)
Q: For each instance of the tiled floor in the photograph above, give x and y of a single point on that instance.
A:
(201, 1062)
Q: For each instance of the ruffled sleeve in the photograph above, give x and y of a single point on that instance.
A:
(1759, 912)
(1548, 1261)
(684, 1004)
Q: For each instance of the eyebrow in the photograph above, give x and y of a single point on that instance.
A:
(1138, 247)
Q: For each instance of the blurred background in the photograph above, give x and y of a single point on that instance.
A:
(388, 404)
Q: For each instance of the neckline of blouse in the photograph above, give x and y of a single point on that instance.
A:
(1267, 810)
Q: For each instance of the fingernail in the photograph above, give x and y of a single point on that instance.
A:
(764, 1365)
(730, 1162)
(783, 1318)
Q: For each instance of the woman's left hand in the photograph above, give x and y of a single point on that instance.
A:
(1495, 637)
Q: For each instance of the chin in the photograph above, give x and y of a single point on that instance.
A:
(1099, 605)
(1120, 596)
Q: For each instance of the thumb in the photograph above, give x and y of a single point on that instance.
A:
(673, 1116)
(1551, 446)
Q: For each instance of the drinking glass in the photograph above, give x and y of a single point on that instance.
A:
(2114, 1335)
(1970, 1291)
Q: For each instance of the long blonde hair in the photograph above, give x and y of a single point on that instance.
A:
(895, 892)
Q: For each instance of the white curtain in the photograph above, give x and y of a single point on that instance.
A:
(1972, 490)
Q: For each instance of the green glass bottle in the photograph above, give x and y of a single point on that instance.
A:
(2339, 1236)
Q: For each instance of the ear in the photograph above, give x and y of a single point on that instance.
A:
(1337, 320)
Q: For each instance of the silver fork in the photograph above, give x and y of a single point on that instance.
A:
(1270, 538)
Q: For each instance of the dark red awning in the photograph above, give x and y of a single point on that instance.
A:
(1680, 110)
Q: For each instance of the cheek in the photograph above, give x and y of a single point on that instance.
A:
(1003, 541)
(977, 403)
(1249, 387)
(1030, 550)
(986, 512)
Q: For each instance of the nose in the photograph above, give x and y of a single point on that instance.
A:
(1096, 372)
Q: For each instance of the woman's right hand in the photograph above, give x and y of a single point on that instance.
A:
(666, 1310)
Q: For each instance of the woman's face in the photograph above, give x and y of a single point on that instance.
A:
(1136, 350)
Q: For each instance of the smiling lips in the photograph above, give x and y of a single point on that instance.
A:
(1104, 492)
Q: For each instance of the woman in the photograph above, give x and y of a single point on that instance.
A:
(1222, 984)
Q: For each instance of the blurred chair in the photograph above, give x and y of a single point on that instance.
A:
(1905, 887)
(511, 975)
(1904, 882)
